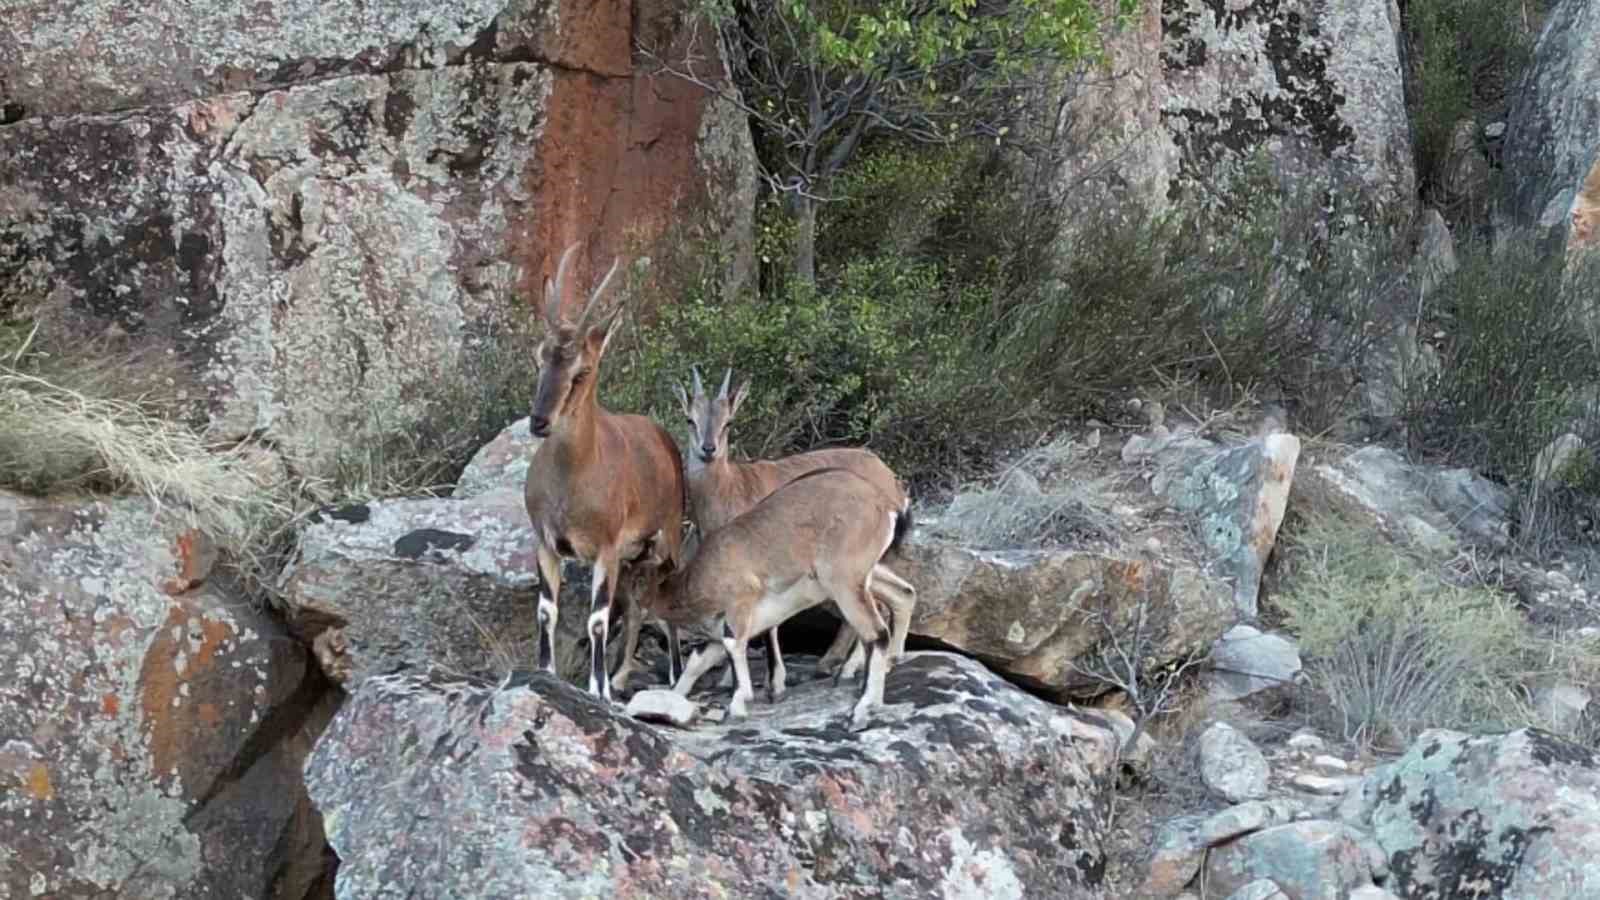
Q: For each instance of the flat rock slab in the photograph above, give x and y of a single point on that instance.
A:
(964, 786)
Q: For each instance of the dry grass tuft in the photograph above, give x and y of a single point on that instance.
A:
(1035, 502)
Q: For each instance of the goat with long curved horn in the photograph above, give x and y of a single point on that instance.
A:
(606, 489)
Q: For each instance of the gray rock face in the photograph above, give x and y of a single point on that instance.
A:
(1307, 860)
(429, 582)
(324, 216)
(1316, 85)
(1238, 495)
(1040, 615)
(1507, 815)
(1551, 155)
(152, 725)
(1434, 508)
(1245, 661)
(1231, 765)
(964, 787)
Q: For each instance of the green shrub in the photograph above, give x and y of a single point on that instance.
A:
(1464, 58)
(1517, 369)
(1393, 649)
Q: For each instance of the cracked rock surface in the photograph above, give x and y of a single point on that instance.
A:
(963, 787)
(152, 725)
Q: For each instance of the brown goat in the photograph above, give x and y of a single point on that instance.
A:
(816, 539)
(606, 489)
(721, 490)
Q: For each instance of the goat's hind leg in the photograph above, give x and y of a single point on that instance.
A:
(777, 675)
(862, 614)
(700, 662)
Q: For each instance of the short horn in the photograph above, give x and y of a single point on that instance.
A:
(727, 377)
(699, 389)
(595, 297)
(553, 291)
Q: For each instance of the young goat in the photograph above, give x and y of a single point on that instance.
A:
(816, 539)
(607, 489)
(721, 490)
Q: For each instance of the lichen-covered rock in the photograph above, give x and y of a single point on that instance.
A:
(1551, 155)
(1041, 615)
(963, 787)
(1434, 508)
(501, 464)
(1238, 494)
(152, 726)
(1315, 85)
(1306, 860)
(327, 220)
(1503, 815)
(440, 582)
(1231, 765)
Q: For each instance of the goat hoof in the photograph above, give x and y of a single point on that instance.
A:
(860, 720)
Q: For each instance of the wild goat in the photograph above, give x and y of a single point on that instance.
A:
(606, 489)
(815, 539)
(721, 490)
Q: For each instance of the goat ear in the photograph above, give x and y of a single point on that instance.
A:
(600, 335)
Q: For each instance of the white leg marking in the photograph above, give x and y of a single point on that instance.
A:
(739, 706)
(700, 662)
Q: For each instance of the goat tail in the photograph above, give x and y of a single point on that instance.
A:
(903, 524)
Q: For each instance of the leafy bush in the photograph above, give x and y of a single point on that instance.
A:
(1394, 649)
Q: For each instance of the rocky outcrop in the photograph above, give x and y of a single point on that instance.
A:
(440, 582)
(1316, 86)
(450, 581)
(1047, 617)
(324, 218)
(962, 787)
(1551, 154)
(1505, 815)
(152, 725)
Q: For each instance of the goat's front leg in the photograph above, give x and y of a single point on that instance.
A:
(632, 622)
(700, 662)
(737, 647)
(604, 577)
(549, 597)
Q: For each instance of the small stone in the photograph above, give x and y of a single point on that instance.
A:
(1562, 706)
(1371, 892)
(1330, 763)
(1322, 784)
(665, 706)
(1234, 821)
(1245, 661)
(1305, 742)
(1176, 858)
(1260, 889)
(1494, 130)
(1231, 765)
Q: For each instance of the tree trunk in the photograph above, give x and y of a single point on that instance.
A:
(805, 240)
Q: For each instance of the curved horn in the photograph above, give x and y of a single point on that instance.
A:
(554, 290)
(726, 378)
(595, 297)
(699, 389)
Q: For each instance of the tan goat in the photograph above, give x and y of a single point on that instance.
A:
(606, 489)
(721, 490)
(816, 539)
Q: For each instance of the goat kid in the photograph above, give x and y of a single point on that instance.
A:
(720, 490)
(603, 488)
(816, 539)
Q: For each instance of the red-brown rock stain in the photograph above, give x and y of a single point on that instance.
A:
(173, 727)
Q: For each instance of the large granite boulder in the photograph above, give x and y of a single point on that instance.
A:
(963, 787)
(1551, 155)
(1314, 84)
(152, 724)
(326, 216)
(1499, 815)
(1194, 90)
(441, 582)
